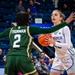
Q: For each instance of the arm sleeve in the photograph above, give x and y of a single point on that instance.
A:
(5, 33)
(37, 30)
(66, 34)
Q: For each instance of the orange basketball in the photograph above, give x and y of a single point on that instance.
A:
(42, 37)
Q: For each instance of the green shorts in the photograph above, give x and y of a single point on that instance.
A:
(15, 64)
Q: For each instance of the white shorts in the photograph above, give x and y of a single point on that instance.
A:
(72, 69)
(68, 65)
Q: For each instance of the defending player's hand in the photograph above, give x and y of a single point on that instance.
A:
(70, 18)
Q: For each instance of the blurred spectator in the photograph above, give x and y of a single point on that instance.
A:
(20, 8)
(1, 57)
(73, 5)
(35, 60)
(42, 67)
(33, 6)
(50, 63)
(46, 59)
(30, 15)
(70, 4)
(63, 5)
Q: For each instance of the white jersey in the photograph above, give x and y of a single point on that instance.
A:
(62, 55)
(63, 42)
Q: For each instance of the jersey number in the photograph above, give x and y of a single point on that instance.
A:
(18, 38)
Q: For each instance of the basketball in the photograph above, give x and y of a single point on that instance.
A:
(42, 37)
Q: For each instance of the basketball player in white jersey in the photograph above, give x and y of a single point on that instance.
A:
(61, 41)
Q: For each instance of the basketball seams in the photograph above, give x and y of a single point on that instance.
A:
(42, 37)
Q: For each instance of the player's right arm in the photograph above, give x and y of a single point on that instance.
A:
(5, 33)
(67, 38)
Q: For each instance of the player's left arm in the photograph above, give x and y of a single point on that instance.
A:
(5, 33)
(67, 36)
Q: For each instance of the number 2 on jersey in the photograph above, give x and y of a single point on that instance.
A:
(18, 38)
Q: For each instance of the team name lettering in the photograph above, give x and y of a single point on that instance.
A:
(19, 31)
(58, 38)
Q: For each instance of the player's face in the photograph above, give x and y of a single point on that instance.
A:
(55, 17)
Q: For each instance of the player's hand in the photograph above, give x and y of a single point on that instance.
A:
(50, 40)
(70, 18)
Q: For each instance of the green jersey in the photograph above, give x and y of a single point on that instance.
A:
(21, 37)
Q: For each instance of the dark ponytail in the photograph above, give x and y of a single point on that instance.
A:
(22, 18)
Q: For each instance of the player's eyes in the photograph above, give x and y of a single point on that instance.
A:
(56, 14)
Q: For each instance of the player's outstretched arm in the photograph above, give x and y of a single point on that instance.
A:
(37, 30)
(5, 33)
(70, 18)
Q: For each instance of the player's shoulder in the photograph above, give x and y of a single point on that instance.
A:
(66, 27)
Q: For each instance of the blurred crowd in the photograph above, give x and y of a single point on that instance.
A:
(42, 63)
(33, 7)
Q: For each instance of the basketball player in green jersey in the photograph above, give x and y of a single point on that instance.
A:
(20, 36)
